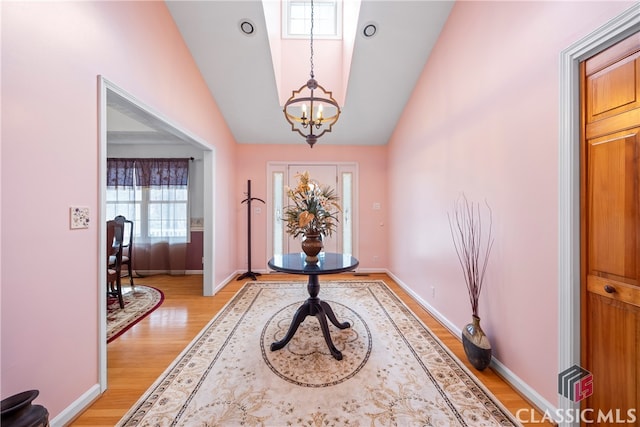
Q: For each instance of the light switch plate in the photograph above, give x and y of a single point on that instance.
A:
(79, 217)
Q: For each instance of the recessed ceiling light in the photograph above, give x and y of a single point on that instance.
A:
(247, 27)
(369, 30)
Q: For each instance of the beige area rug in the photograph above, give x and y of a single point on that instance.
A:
(138, 303)
(394, 370)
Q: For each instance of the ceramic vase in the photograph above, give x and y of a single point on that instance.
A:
(476, 345)
(18, 411)
(311, 246)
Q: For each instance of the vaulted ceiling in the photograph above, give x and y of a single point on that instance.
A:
(245, 79)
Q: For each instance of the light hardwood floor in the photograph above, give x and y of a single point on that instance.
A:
(139, 356)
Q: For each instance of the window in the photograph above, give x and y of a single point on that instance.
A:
(160, 210)
(277, 201)
(327, 19)
(347, 210)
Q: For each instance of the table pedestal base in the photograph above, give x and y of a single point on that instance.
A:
(314, 306)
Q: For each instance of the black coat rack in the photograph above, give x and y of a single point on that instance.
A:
(248, 201)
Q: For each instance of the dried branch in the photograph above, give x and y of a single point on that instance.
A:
(466, 232)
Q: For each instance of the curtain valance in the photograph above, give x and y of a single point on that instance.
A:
(148, 172)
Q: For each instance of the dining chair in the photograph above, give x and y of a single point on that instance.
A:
(127, 245)
(114, 260)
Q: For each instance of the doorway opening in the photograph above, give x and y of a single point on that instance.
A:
(115, 101)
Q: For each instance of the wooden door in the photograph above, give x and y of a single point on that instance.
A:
(611, 230)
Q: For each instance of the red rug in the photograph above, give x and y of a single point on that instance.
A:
(138, 303)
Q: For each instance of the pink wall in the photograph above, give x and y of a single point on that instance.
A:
(52, 53)
(328, 71)
(252, 164)
(483, 120)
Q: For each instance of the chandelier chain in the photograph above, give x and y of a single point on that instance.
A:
(306, 111)
(311, 41)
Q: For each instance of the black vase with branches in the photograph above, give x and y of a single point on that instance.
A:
(473, 251)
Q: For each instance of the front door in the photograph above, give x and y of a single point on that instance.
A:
(611, 230)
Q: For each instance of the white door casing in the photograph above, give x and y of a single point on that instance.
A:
(341, 176)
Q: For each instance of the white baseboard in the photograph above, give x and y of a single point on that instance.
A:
(364, 271)
(73, 410)
(455, 331)
(516, 382)
(359, 271)
(530, 394)
(230, 278)
(144, 273)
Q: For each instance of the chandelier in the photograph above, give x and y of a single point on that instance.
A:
(311, 110)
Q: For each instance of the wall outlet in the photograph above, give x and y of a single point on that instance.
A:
(433, 292)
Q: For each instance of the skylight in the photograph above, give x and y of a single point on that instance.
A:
(327, 19)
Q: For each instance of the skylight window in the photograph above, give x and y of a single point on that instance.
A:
(327, 19)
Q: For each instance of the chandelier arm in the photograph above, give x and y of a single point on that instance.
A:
(295, 129)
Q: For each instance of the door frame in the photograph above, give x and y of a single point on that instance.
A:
(280, 166)
(569, 288)
(209, 155)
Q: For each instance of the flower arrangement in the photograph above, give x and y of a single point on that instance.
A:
(314, 210)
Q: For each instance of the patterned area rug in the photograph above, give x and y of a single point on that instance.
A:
(394, 370)
(138, 303)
